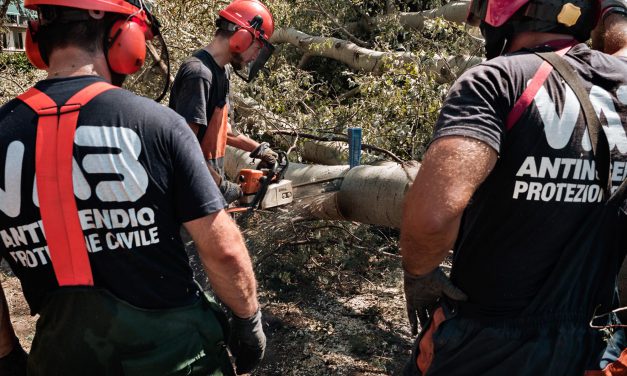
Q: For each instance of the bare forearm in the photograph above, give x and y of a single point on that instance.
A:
(233, 281)
(223, 253)
(452, 170)
(422, 252)
(241, 142)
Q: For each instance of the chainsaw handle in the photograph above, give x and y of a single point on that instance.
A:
(279, 167)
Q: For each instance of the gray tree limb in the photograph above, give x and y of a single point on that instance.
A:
(367, 60)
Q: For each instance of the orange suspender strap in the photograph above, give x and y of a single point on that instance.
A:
(53, 166)
(213, 143)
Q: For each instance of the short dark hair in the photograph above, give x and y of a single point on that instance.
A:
(63, 27)
(224, 28)
(221, 33)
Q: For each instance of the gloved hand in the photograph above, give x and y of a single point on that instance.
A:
(231, 191)
(14, 363)
(247, 342)
(268, 156)
(422, 294)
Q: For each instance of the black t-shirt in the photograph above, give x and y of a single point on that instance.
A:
(138, 175)
(200, 86)
(535, 237)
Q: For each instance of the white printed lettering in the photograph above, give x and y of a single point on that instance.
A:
(10, 197)
(535, 189)
(520, 187)
(604, 105)
(558, 129)
(528, 168)
(618, 169)
(124, 162)
(552, 169)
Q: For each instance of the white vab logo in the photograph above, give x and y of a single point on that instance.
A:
(559, 129)
(121, 159)
(552, 179)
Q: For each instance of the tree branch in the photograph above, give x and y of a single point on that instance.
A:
(455, 11)
(338, 138)
(370, 60)
(337, 23)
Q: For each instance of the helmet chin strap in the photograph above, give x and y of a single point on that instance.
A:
(496, 40)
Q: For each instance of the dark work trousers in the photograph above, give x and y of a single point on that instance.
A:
(552, 345)
(86, 331)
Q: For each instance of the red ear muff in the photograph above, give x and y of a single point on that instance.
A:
(32, 47)
(240, 41)
(126, 50)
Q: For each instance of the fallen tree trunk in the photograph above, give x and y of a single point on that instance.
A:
(359, 58)
(366, 194)
(455, 11)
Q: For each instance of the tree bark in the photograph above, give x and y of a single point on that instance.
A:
(366, 194)
(359, 58)
(455, 11)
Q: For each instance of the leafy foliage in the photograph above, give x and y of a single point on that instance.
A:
(397, 110)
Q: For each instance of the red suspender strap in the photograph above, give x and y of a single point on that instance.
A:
(53, 166)
(537, 82)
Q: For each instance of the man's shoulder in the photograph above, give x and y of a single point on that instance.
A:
(610, 63)
(134, 106)
(9, 107)
(193, 67)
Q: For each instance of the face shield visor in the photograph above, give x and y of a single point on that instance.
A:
(252, 69)
(152, 80)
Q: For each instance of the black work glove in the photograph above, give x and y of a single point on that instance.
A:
(247, 342)
(231, 191)
(422, 294)
(268, 156)
(14, 363)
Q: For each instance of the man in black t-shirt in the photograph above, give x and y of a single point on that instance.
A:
(97, 182)
(200, 92)
(514, 183)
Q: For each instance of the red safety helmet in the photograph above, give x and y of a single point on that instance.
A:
(500, 20)
(494, 12)
(608, 7)
(252, 20)
(126, 42)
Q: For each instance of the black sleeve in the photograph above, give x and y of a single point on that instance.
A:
(477, 106)
(196, 193)
(192, 98)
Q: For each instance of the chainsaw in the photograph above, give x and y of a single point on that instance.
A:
(264, 188)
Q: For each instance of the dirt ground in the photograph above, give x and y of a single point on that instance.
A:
(332, 305)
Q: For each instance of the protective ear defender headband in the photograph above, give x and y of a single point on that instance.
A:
(244, 36)
(32, 47)
(240, 41)
(125, 45)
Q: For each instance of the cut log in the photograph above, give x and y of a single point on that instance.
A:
(366, 194)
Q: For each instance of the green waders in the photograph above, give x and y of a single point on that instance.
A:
(87, 331)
